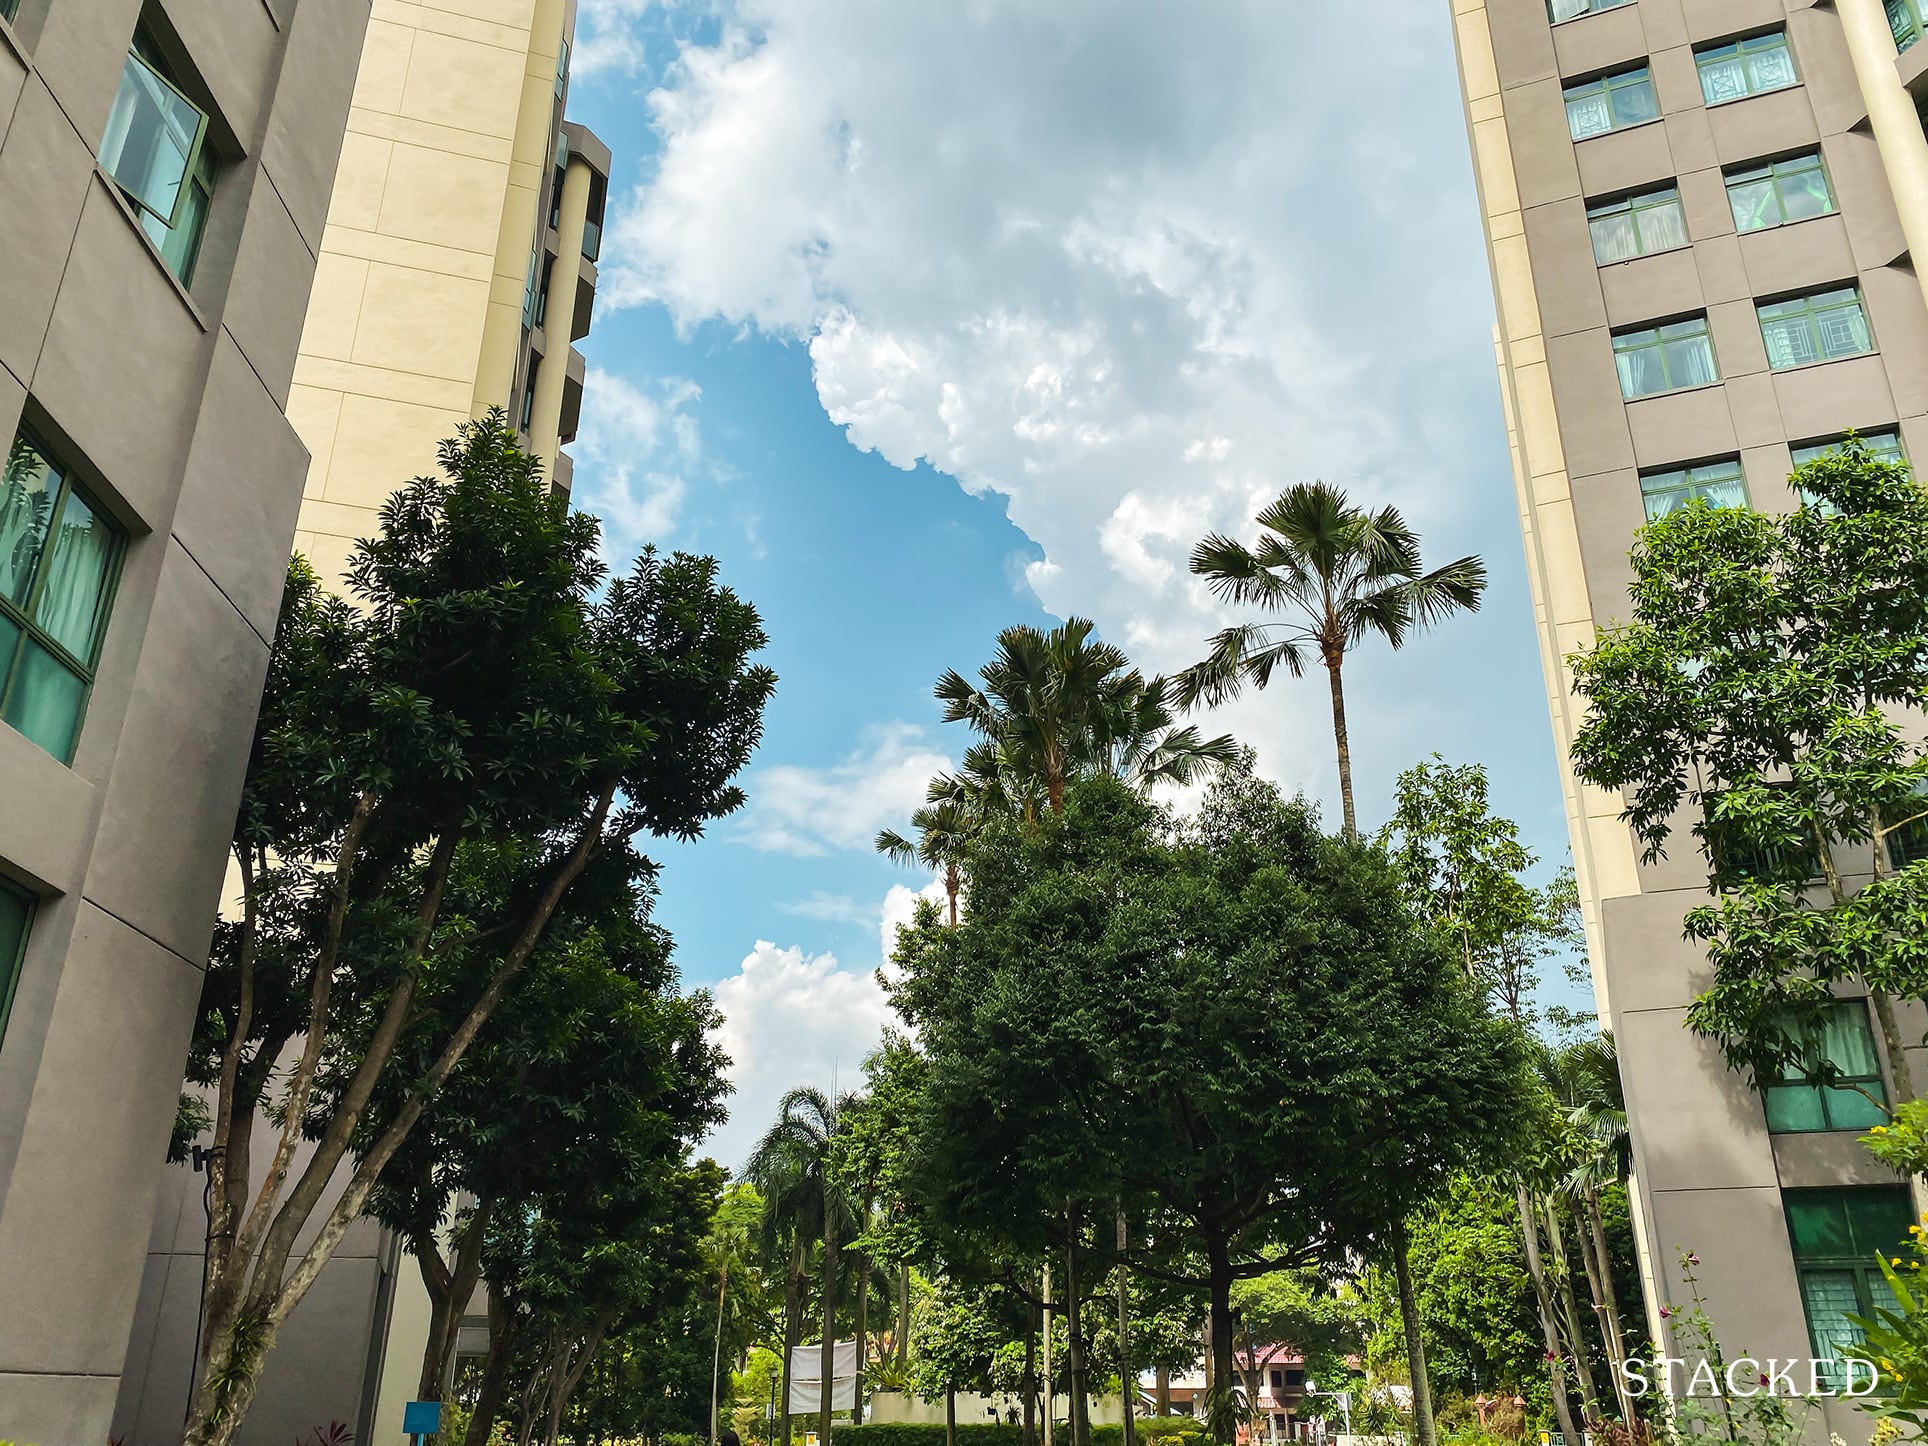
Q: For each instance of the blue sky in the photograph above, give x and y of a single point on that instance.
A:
(928, 320)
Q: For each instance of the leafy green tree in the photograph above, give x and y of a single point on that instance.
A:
(1340, 574)
(489, 685)
(729, 1253)
(1239, 1031)
(1756, 697)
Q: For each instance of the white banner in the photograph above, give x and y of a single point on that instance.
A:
(806, 1378)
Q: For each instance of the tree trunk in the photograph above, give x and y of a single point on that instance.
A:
(792, 1328)
(1127, 1385)
(1078, 1412)
(1163, 1398)
(863, 1333)
(1549, 1326)
(716, 1355)
(1402, 1266)
(1606, 1305)
(829, 1354)
(1050, 1379)
(950, 1413)
(1334, 663)
(450, 1289)
(1221, 1367)
(1563, 1277)
(1030, 1375)
(903, 1314)
(495, 1374)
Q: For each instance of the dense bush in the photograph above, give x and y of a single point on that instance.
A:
(1170, 1430)
(887, 1433)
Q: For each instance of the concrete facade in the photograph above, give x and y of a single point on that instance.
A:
(1709, 1175)
(457, 258)
(164, 401)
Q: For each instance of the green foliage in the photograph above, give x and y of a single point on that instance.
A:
(1903, 1141)
(976, 1433)
(1762, 1419)
(1178, 1430)
(1897, 1339)
(1757, 690)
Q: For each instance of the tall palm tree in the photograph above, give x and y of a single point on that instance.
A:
(944, 833)
(796, 1156)
(1057, 705)
(1340, 574)
(1589, 1072)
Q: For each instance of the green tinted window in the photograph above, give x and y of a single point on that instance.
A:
(1821, 327)
(155, 148)
(1664, 358)
(1746, 67)
(1779, 192)
(1904, 19)
(1836, 1235)
(16, 910)
(1719, 484)
(1637, 225)
(59, 560)
(1567, 9)
(1842, 1051)
(1596, 106)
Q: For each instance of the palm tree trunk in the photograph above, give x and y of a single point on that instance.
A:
(903, 1314)
(1074, 1338)
(825, 1404)
(1549, 1324)
(1127, 1386)
(792, 1310)
(1334, 662)
(1593, 1250)
(863, 1332)
(1030, 1375)
(716, 1355)
(1402, 1267)
(1050, 1380)
(1563, 1278)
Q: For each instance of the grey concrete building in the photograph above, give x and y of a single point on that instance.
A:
(165, 171)
(1701, 216)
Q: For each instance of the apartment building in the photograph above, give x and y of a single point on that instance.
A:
(1701, 217)
(455, 270)
(165, 170)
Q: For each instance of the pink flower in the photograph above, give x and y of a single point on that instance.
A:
(1691, 1258)
(1667, 1312)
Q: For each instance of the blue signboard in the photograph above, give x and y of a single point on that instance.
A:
(422, 1418)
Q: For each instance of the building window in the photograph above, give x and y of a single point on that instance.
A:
(1745, 67)
(1570, 9)
(1821, 327)
(8, 9)
(1904, 19)
(1664, 358)
(1610, 103)
(1637, 225)
(529, 391)
(1718, 484)
(1843, 1042)
(156, 151)
(59, 559)
(1835, 1235)
(562, 68)
(1779, 192)
(593, 221)
(16, 912)
(1885, 447)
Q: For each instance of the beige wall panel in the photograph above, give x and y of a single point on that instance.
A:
(518, 13)
(381, 443)
(1666, 27)
(383, 74)
(444, 199)
(314, 412)
(413, 255)
(327, 553)
(1607, 511)
(1723, 275)
(316, 77)
(376, 381)
(1592, 421)
(1797, 257)
(356, 202)
(436, 137)
(1665, 284)
(1722, 1142)
(1821, 57)
(1521, 42)
(1736, 329)
(1565, 279)
(70, 1183)
(115, 286)
(334, 306)
(1677, 83)
(1680, 427)
(1712, 20)
(1633, 159)
(67, 55)
(1653, 967)
(1818, 401)
(1763, 125)
(1536, 130)
(420, 321)
(1609, 40)
(1767, 469)
(44, 176)
(1703, 196)
(459, 83)
(479, 28)
(1690, 138)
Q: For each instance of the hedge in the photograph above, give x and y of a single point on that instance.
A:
(1171, 1431)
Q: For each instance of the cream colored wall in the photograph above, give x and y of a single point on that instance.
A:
(440, 171)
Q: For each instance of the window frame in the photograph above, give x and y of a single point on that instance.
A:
(1654, 329)
(197, 174)
(1797, 1083)
(1740, 47)
(1631, 205)
(9, 12)
(1867, 1275)
(1915, 23)
(1691, 484)
(13, 959)
(1771, 172)
(1588, 7)
(1811, 315)
(1579, 88)
(20, 615)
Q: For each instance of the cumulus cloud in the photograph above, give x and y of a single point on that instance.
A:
(635, 450)
(608, 36)
(809, 811)
(1134, 266)
(790, 1018)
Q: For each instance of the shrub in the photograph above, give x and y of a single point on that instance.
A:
(887, 1433)
(1170, 1430)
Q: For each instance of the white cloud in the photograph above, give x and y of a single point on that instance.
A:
(900, 907)
(832, 908)
(635, 450)
(790, 1019)
(810, 811)
(1135, 266)
(608, 36)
